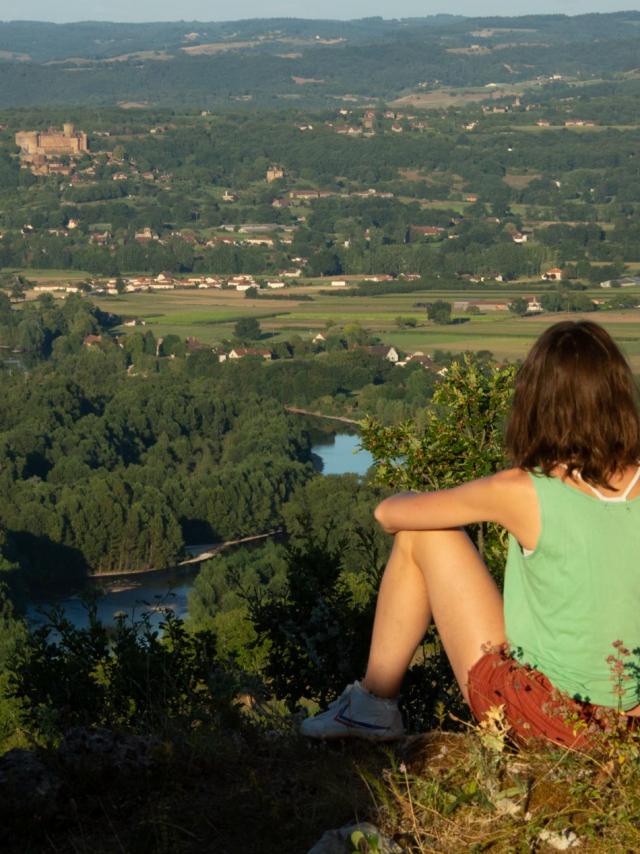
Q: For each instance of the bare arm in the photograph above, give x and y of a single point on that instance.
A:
(507, 498)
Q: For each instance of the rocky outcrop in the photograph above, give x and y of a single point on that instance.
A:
(340, 841)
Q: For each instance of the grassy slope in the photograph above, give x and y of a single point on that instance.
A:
(267, 791)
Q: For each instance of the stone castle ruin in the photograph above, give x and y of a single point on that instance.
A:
(39, 148)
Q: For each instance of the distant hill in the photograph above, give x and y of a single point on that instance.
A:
(275, 61)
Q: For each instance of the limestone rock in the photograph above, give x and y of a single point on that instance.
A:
(339, 841)
(27, 786)
(99, 751)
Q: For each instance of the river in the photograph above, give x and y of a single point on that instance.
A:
(132, 595)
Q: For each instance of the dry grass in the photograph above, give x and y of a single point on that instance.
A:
(455, 793)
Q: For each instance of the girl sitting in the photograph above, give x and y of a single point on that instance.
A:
(571, 505)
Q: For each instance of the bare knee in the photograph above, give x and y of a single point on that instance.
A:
(408, 538)
(427, 547)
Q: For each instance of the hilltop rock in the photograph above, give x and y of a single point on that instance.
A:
(339, 841)
(27, 787)
(98, 752)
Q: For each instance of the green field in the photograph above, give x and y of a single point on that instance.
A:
(210, 317)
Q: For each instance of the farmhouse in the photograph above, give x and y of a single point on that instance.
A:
(427, 230)
(241, 352)
(146, 235)
(388, 353)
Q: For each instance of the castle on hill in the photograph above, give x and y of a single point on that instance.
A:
(37, 148)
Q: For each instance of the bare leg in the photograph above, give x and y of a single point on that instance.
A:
(439, 575)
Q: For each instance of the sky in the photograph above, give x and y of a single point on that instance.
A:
(213, 10)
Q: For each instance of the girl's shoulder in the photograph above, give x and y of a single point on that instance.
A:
(514, 479)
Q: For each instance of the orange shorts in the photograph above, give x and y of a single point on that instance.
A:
(533, 707)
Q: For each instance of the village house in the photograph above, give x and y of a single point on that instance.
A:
(258, 241)
(241, 280)
(100, 238)
(92, 340)
(553, 274)
(229, 197)
(193, 344)
(340, 283)
(519, 237)
(241, 352)
(303, 195)
(275, 285)
(534, 306)
(421, 358)
(216, 241)
(427, 230)
(145, 235)
(136, 283)
(56, 168)
(388, 353)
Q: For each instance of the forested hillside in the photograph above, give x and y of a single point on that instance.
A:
(207, 64)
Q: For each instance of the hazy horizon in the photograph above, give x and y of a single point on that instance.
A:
(202, 11)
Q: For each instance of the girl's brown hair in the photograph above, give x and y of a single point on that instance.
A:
(575, 404)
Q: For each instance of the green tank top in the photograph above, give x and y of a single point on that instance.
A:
(567, 602)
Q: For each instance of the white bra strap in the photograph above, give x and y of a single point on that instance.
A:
(632, 483)
(622, 497)
(595, 491)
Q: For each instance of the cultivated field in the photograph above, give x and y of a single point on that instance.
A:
(210, 317)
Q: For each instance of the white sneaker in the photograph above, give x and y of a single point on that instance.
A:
(357, 714)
